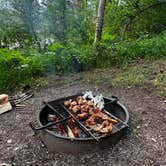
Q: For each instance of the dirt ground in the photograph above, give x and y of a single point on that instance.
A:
(144, 143)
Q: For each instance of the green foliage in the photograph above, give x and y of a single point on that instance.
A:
(125, 52)
(132, 19)
(71, 58)
(16, 70)
(57, 37)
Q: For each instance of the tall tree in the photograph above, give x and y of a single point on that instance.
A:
(100, 19)
(56, 12)
(28, 12)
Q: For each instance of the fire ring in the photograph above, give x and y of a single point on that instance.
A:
(87, 141)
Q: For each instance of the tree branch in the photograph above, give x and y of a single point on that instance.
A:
(141, 11)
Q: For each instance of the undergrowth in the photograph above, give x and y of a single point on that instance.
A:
(18, 68)
(150, 75)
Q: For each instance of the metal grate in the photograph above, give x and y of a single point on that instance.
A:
(65, 114)
(95, 134)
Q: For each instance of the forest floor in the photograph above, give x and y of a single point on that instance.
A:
(141, 91)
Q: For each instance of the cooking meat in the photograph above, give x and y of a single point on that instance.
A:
(75, 108)
(67, 103)
(83, 115)
(93, 117)
(70, 133)
(75, 131)
(90, 103)
(107, 129)
(73, 103)
(92, 120)
(80, 100)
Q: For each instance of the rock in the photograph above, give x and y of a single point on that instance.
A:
(4, 164)
(9, 141)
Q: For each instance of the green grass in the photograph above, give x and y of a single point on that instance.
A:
(129, 77)
(126, 52)
(149, 75)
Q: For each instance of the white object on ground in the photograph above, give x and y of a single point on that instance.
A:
(4, 164)
(9, 141)
(5, 107)
(4, 98)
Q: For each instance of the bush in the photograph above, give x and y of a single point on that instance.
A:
(16, 70)
(19, 68)
(126, 52)
(71, 58)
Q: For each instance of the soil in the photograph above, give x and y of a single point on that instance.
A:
(143, 144)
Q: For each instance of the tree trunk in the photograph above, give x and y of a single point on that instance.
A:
(100, 19)
(35, 36)
(64, 26)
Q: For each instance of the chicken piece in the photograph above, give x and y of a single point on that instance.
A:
(67, 103)
(106, 123)
(114, 121)
(91, 111)
(106, 117)
(91, 120)
(79, 100)
(91, 126)
(101, 126)
(60, 128)
(84, 108)
(73, 103)
(97, 113)
(75, 131)
(107, 129)
(79, 97)
(75, 108)
(70, 108)
(90, 103)
(71, 122)
(83, 115)
(98, 127)
(70, 133)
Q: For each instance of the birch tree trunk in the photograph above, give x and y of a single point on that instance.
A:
(63, 21)
(100, 19)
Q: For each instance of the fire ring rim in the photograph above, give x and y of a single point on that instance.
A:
(86, 139)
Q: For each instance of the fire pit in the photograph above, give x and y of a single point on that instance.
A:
(56, 138)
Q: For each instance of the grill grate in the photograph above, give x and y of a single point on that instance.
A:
(90, 131)
(65, 114)
(84, 128)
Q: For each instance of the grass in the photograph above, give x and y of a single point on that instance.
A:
(129, 77)
(150, 75)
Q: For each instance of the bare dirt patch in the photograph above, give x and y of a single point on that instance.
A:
(144, 143)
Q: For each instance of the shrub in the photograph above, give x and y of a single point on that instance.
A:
(16, 70)
(149, 48)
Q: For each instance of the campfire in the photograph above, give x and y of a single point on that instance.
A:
(82, 117)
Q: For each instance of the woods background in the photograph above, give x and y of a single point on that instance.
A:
(41, 37)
